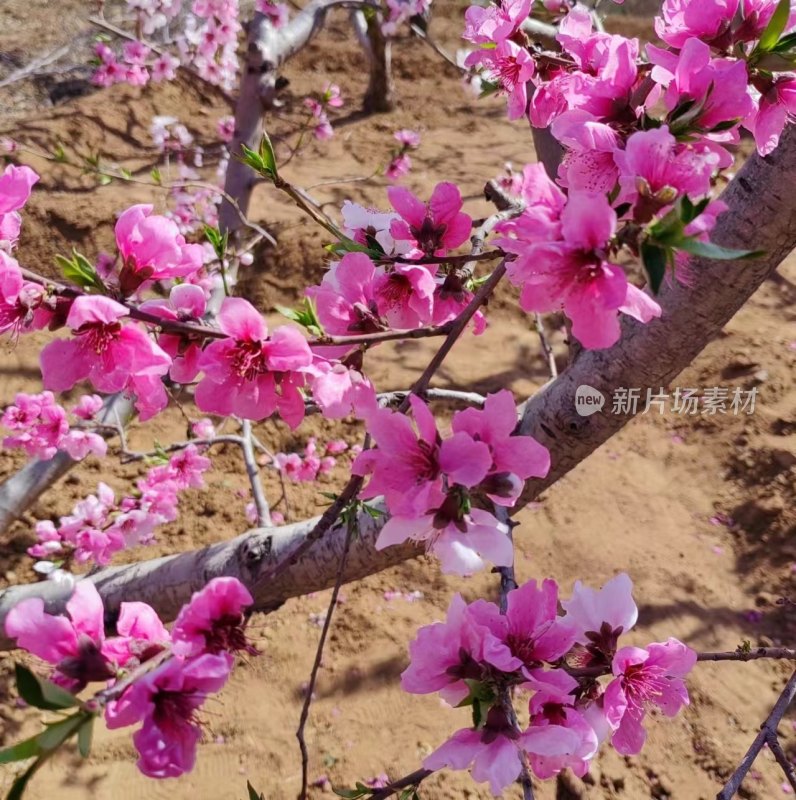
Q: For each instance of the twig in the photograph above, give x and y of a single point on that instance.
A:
(412, 779)
(423, 35)
(508, 583)
(459, 324)
(547, 350)
(768, 733)
(305, 710)
(34, 66)
(167, 185)
(492, 255)
(782, 759)
(751, 655)
(258, 495)
(128, 457)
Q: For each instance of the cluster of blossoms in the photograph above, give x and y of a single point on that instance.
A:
(479, 657)
(358, 297)
(643, 143)
(330, 97)
(429, 483)
(152, 676)
(307, 467)
(192, 205)
(41, 428)
(206, 43)
(100, 525)
(401, 163)
(400, 11)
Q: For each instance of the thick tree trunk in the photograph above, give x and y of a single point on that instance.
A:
(761, 214)
(267, 49)
(380, 94)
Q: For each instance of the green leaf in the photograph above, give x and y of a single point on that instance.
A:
(786, 43)
(40, 693)
(85, 733)
(20, 751)
(218, 241)
(689, 210)
(262, 161)
(777, 61)
(289, 313)
(156, 176)
(267, 155)
(715, 251)
(654, 259)
(776, 25)
(55, 734)
(488, 88)
(103, 179)
(253, 793)
(80, 271)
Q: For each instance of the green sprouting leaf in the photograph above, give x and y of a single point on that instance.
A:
(253, 793)
(488, 88)
(218, 241)
(715, 251)
(59, 154)
(85, 734)
(156, 176)
(689, 211)
(263, 160)
(305, 316)
(125, 173)
(20, 751)
(654, 259)
(103, 179)
(40, 693)
(776, 25)
(289, 313)
(80, 271)
(267, 155)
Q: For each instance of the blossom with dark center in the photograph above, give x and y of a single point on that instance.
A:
(214, 620)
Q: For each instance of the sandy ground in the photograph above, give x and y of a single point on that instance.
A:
(643, 503)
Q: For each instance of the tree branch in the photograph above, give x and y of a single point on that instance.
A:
(761, 213)
(768, 733)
